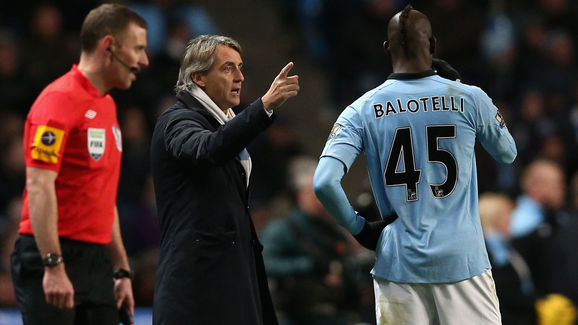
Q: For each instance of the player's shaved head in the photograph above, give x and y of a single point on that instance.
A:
(410, 36)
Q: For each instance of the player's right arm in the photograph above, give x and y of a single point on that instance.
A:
(43, 207)
(342, 148)
(492, 131)
(327, 186)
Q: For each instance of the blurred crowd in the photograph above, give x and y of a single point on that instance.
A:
(522, 53)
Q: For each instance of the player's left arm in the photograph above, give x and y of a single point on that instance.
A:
(492, 130)
(122, 286)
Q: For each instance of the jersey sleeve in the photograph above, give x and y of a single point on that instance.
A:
(344, 144)
(327, 187)
(491, 129)
(47, 129)
(345, 141)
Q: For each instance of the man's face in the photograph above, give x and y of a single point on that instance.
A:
(548, 186)
(222, 83)
(554, 188)
(131, 49)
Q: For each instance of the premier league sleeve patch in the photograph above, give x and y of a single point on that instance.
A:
(500, 119)
(47, 143)
(334, 131)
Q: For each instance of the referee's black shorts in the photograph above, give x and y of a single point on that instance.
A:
(90, 270)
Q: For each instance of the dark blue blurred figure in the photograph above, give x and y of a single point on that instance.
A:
(309, 259)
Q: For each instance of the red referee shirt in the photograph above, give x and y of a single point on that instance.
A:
(73, 131)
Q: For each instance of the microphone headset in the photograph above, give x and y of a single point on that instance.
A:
(132, 69)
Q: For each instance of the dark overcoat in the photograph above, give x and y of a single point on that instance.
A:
(210, 268)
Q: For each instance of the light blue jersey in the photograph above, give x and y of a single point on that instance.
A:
(418, 133)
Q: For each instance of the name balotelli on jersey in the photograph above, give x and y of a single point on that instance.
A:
(423, 104)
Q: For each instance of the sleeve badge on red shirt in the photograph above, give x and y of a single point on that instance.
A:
(96, 141)
(46, 144)
(117, 137)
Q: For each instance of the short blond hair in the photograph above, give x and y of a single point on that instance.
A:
(490, 205)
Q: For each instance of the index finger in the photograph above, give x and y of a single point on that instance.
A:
(286, 69)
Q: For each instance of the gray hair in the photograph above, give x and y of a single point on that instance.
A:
(199, 57)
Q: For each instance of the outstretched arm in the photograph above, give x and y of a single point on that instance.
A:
(282, 88)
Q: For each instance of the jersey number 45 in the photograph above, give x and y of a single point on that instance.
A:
(410, 176)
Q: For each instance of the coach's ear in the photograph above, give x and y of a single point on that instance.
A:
(199, 78)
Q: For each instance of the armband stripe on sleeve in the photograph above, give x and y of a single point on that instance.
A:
(46, 144)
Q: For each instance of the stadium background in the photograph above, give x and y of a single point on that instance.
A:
(522, 53)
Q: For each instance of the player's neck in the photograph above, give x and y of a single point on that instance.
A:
(411, 66)
(94, 72)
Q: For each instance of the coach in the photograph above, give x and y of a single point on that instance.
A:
(211, 268)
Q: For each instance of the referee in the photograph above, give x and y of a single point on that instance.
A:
(70, 243)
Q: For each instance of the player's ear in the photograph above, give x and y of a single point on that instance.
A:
(432, 44)
(386, 47)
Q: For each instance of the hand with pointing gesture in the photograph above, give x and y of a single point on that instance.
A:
(282, 88)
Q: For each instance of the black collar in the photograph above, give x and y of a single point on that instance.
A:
(188, 99)
(410, 76)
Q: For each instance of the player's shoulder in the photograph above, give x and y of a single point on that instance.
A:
(468, 89)
(368, 98)
(370, 95)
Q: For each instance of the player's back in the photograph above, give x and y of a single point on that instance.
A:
(418, 136)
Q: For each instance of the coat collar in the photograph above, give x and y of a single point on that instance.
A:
(192, 103)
